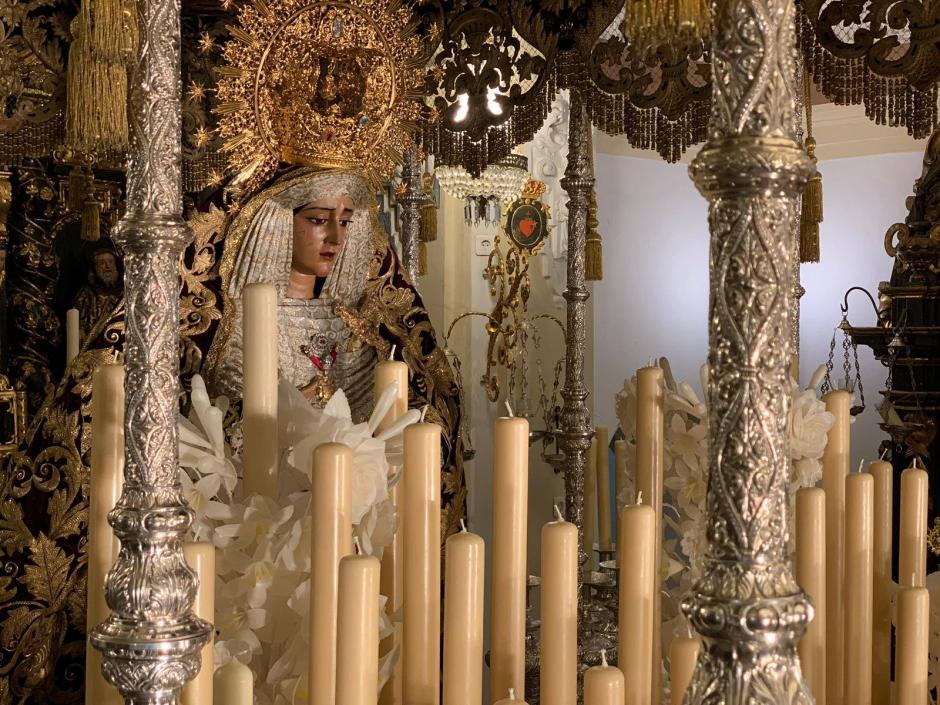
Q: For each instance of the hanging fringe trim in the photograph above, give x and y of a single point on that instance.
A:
(91, 219)
(888, 100)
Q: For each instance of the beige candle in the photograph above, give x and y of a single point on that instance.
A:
(590, 503)
(357, 637)
(106, 481)
(636, 545)
(510, 505)
(649, 482)
(463, 619)
(620, 469)
(558, 669)
(388, 372)
(259, 410)
(330, 540)
(421, 657)
(233, 684)
(72, 335)
(602, 470)
(683, 653)
(511, 699)
(201, 558)
(912, 541)
(835, 469)
(859, 515)
(603, 685)
(881, 596)
(811, 576)
(913, 642)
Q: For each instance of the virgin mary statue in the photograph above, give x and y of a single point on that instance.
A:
(312, 111)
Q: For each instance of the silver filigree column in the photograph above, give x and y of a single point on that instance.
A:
(748, 607)
(411, 201)
(575, 417)
(150, 643)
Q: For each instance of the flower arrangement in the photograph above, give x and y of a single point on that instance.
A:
(263, 555)
(685, 466)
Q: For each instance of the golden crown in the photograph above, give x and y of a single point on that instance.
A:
(326, 84)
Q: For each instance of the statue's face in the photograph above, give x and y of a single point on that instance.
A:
(106, 269)
(319, 234)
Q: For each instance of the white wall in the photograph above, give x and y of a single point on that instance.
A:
(654, 297)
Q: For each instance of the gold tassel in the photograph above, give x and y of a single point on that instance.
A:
(428, 232)
(96, 80)
(811, 213)
(593, 260)
(422, 258)
(593, 248)
(91, 219)
(76, 186)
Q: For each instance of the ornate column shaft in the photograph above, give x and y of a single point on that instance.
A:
(151, 641)
(748, 607)
(575, 417)
(411, 201)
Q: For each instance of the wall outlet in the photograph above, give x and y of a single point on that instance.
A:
(483, 244)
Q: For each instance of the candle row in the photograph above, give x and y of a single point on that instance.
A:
(843, 562)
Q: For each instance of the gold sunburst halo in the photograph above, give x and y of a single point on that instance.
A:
(327, 84)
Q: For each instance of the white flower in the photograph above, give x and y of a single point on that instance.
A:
(686, 441)
(263, 561)
(809, 426)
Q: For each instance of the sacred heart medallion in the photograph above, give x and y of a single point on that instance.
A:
(527, 226)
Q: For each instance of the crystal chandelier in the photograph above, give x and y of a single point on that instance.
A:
(499, 185)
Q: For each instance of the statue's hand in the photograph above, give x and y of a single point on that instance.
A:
(310, 391)
(319, 390)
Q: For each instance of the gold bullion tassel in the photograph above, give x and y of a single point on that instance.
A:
(593, 248)
(428, 232)
(96, 105)
(76, 186)
(422, 258)
(811, 214)
(650, 24)
(91, 218)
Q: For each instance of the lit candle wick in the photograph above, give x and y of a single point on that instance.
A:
(391, 355)
(463, 527)
(558, 515)
(604, 658)
(509, 409)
